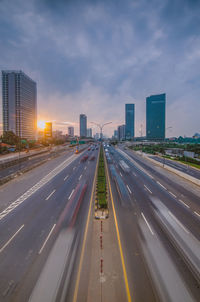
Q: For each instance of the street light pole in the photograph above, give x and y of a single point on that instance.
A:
(101, 127)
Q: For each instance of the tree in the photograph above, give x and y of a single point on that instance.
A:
(10, 138)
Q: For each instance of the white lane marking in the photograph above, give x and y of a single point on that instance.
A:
(5, 245)
(120, 174)
(85, 168)
(128, 189)
(50, 194)
(40, 251)
(161, 185)
(74, 168)
(71, 194)
(179, 223)
(134, 174)
(148, 189)
(66, 177)
(38, 185)
(183, 203)
(172, 194)
(80, 176)
(197, 214)
(147, 223)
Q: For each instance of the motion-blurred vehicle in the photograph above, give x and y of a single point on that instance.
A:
(124, 166)
(84, 158)
(92, 158)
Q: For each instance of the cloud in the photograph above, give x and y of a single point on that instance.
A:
(88, 56)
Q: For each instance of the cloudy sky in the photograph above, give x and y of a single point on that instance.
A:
(94, 56)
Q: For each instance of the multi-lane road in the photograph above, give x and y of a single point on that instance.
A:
(45, 218)
(176, 165)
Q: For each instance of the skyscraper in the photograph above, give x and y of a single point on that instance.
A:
(71, 131)
(89, 132)
(19, 95)
(83, 125)
(121, 132)
(155, 117)
(130, 121)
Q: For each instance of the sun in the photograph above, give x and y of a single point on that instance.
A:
(41, 124)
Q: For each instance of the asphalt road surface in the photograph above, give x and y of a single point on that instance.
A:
(183, 168)
(43, 217)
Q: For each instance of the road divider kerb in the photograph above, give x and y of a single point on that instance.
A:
(84, 239)
(119, 241)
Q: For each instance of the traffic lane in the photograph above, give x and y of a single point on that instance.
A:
(42, 199)
(138, 278)
(143, 210)
(78, 226)
(49, 177)
(191, 198)
(22, 183)
(186, 169)
(30, 161)
(30, 237)
(38, 221)
(183, 213)
(187, 198)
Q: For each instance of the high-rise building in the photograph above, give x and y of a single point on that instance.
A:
(89, 132)
(19, 95)
(115, 134)
(155, 117)
(121, 132)
(71, 131)
(130, 121)
(48, 130)
(83, 125)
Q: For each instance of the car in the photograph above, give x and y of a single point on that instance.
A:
(92, 158)
(84, 158)
(88, 149)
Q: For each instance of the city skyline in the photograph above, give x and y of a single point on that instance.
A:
(80, 66)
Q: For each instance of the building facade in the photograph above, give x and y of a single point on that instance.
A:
(121, 132)
(71, 131)
(129, 121)
(19, 100)
(155, 117)
(48, 131)
(83, 125)
(89, 132)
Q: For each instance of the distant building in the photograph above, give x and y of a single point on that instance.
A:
(48, 131)
(96, 136)
(130, 121)
(89, 132)
(83, 125)
(121, 132)
(115, 134)
(71, 131)
(155, 117)
(19, 95)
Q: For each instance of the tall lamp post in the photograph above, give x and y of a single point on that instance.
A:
(163, 152)
(101, 128)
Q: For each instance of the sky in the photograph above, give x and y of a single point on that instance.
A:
(94, 56)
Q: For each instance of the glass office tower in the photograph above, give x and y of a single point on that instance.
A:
(83, 125)
(19, 100)
(155, 117)
(130, 121)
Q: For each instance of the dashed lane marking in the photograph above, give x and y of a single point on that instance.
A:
(7, 243)
(50, 194)
(147, 223)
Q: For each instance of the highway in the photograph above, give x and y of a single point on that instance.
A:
(158, 227)
(46, 227)
(31, 222)
(176, 165)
